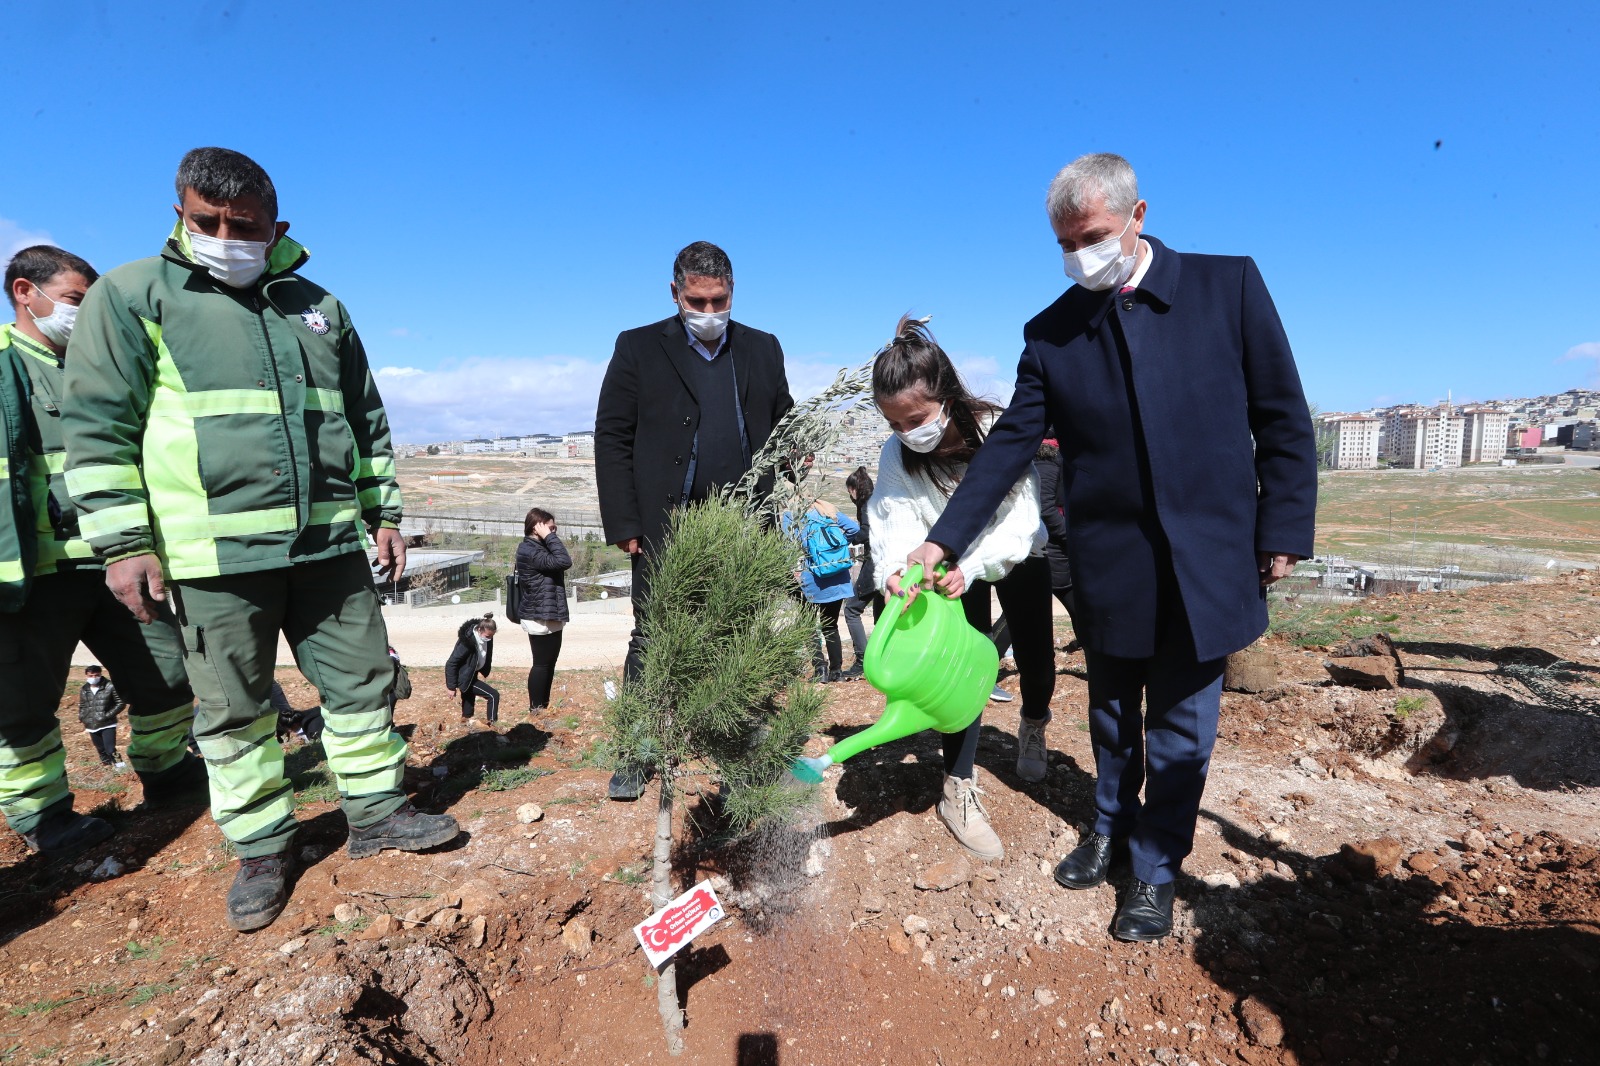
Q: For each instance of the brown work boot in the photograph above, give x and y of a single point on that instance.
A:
(962, 812)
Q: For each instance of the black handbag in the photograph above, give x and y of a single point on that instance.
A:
(513, 595)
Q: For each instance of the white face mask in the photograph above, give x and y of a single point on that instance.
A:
(57, 325)
(707, 325)
(1101, 266)
(925, 438)
(95, 680)
(236, 264)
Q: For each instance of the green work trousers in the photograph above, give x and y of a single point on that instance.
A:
(36, 645)
(328, 611)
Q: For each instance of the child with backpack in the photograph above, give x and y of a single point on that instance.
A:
(825, 536)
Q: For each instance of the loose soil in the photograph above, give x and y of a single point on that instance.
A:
(1380, 876)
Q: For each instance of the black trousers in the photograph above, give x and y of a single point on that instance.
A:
(633, 664)
(546, 649)
(854, 607)
(1024, 596)
(105, 742)
(491, 698)
(828, 616)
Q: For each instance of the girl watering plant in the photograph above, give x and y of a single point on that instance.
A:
(938, 426)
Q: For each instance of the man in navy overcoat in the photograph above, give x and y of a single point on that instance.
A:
(1189, 474)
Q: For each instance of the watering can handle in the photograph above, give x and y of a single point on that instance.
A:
(896, 604)
(913, 574)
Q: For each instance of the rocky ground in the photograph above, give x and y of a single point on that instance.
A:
(1382, 874)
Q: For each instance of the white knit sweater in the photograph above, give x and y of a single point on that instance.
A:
(904, 507)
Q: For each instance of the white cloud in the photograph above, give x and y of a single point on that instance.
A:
(499, 396)
(14, 237)
(490, 397)
(1587, 352)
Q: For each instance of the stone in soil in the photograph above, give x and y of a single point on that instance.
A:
(1253, 670)
(1261, 1022)
(382, 926)
(477, 897)
(1370, 859)
(577, 937)
(943, 876)
(1364, 671)
(529, 813)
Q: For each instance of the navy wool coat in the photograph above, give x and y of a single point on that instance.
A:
(1186, 448)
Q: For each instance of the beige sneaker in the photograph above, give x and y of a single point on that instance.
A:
(1033, 757)
(962, 812)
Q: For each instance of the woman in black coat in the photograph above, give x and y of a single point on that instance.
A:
(542, 563)
(859, 486)
(470, 663)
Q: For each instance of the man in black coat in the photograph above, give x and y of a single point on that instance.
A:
(1189, 474)
(685, 404)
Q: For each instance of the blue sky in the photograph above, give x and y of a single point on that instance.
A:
(495, 190)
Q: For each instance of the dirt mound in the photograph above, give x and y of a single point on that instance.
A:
(1405, 875)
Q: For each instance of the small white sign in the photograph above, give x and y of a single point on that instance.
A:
(667, 930)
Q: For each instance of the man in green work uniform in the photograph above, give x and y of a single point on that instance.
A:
(55, 593)
(226, 445)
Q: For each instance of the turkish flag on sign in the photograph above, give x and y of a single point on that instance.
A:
(669, 929)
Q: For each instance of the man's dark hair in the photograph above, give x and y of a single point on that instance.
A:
(91, 669)
(534, 516)
(223, 174)
(42, 262)
(702, 259)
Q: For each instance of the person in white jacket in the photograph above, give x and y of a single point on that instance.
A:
(938, 426)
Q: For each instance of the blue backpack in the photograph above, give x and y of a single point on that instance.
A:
(827, 549)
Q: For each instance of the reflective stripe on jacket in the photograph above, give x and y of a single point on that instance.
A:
(228, 430)
(55, 520)
(17, 538)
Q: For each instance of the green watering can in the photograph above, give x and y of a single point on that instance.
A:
(936, 670)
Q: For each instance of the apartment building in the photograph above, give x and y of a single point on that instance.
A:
(1424, 437)
(1356, 441)
(1484, 434)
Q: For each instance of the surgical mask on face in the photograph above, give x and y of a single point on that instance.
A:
(707, 325)
(95, 681)
(925, 438)
(57, 325)
(237, 264)
(1101, 266)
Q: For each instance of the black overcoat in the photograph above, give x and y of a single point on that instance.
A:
(1186, 448)
(645, 422)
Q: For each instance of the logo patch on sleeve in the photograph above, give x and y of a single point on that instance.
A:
(315, 320)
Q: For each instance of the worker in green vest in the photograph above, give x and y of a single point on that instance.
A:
(55, 593)
(229, 454)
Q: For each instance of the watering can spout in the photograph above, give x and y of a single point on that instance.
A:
(810, 770)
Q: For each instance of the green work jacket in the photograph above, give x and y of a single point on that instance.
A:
(227, 430)
(18, 541)
(55, 521)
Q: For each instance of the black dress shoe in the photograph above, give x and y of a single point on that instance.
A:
(627, 783)
(1087, 864)
(1146, 914)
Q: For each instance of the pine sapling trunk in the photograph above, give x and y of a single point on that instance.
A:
(661, 895)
